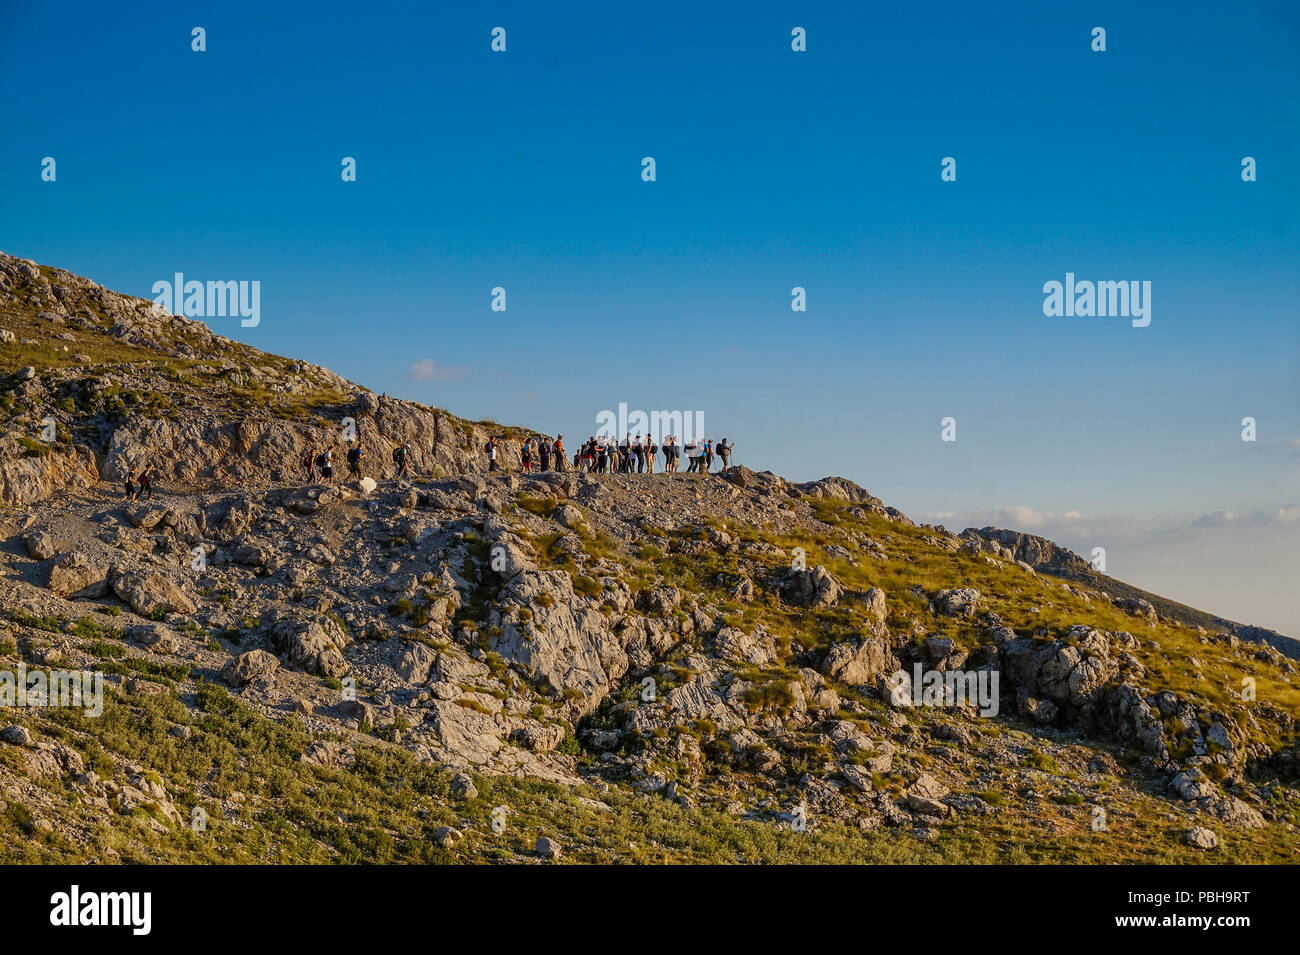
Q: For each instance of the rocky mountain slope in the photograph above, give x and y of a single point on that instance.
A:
(474, 667)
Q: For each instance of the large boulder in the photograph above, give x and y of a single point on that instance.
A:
(926, 796)
(738, 646)
(145, 516)
(874, 604)
(1076, 675)
(957, 601)
(811, 588)
(1139, 608)
(1191, 784)
(149, 593)
(41, 546)
(571, 646)
(507, 557)
(26, 478)
(76, 575)
(861, 662)
(1135, 722)
(659, 601)
(469, 737)
(311, 646)
(415, 663)
(250, 666)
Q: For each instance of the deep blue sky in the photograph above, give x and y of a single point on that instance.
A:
(775, 169)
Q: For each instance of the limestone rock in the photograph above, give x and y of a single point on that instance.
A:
(250, 666)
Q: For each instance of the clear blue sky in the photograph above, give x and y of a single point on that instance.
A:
(775, 169)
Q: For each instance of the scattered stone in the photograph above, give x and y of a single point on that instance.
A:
(446, 836)
(462, 787)
(16, 735)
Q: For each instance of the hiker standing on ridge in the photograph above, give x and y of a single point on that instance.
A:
(526, 456)
(650, 452)
(639, 450)
(491, 449)
(708, 455)
(544, 452)
(561, 455)
(695, 455)
(724, 450)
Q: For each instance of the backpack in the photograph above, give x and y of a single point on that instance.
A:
(322, 461)
(397, 455)
(354, 455)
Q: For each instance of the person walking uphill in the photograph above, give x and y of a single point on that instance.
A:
(130, 485)
(325, 461)
(309, 463)
(401, 457)
(354, 456)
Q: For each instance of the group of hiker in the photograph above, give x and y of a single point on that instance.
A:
(635, 454)
(603, 455)
(313, 461)
(139, 482)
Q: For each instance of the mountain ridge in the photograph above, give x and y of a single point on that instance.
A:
(705, 666)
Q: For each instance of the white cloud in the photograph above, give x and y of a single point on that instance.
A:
(427, 370)
(1287, 514)
(1216, 519)
(1018, 517)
